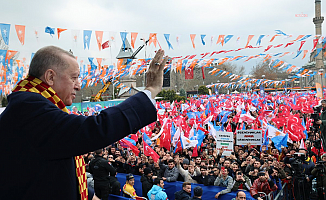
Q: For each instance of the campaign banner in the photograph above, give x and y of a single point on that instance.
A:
(224, 140)
(254, 137)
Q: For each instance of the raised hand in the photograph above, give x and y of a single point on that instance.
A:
(154, 75)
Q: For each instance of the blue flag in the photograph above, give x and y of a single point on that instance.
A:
(259, 39)
(130, 140)
(167, 38)
(172, 131)
(87, 38)
(280, 141)
(5, 30)
(202, 39)
(123, 38)
(298, 53)
(200, 137)
(147, 139)
(49, 30)
(3, 54)
(227, 38)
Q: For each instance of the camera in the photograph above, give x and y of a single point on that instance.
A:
(317, 109)
(296, 164)
(320, 166)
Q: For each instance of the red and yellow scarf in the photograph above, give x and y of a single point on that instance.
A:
(32, 84)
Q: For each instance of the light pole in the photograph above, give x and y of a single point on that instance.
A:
(286, 83)
(289, 79)
(322, 83)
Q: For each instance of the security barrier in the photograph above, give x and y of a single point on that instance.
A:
(170, 188)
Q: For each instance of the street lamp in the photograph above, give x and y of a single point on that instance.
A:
(322, 83)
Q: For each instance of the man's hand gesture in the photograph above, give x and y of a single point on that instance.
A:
(154, 75)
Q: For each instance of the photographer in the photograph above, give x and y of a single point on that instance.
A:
(322, 122)
(320, 173)
(302, 166)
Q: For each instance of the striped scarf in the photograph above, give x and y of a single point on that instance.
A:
(32, 84)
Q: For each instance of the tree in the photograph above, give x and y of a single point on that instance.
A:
(183, 93)
(203, 90)
(170, 95)
(262, 68)
(229, 67)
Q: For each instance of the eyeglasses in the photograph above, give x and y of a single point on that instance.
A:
(110, 157)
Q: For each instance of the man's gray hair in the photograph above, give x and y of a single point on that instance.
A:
(323, 101)
(49, 57)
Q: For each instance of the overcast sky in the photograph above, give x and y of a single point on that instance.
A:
(176, 17)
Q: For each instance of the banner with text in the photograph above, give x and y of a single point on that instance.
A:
(254, 137)
(224, 140)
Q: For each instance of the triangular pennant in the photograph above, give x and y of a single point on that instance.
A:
(259, 39)
(192, 37)
(167, 38)
(5, 30)
(249, 38)
(133, 39)
(49, 30)
(99, 37)
(59, 30)
(87, 38)
(220, 39)
(99, 61)
(123, 38)
(20, 29)
(202, 39)
(227, 38)
(152, 39)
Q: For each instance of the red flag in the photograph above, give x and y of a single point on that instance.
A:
(179, 147)
(315, 42)
(307, 109)
(228, 127)
(134, 137)
(106, 44)
(203, 72)
(189, 73)
(148, 151)
(59, 30)
(203, 129)
(302, 42)
(131, 146)
(165, 139)
(195, 152)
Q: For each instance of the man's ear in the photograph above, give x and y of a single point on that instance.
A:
(49, 77)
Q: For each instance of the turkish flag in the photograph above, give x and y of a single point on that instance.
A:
(195, 152)
(134, 137)
(148, 151)
(130, 145)
(165, 139)
(106, 44)
(189, 73)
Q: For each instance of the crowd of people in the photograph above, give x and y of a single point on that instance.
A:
(44, 142)
(254, 168)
